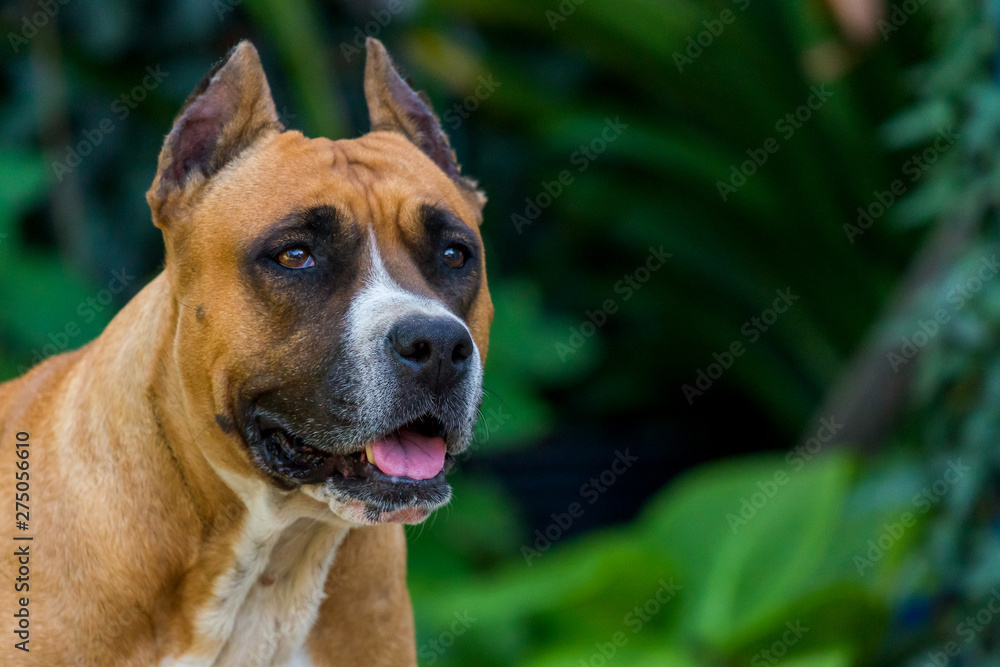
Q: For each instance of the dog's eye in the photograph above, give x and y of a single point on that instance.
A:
(455, 256)
(296, 257)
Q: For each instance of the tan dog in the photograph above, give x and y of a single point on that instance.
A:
(221, 477)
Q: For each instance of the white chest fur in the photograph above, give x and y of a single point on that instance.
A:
(264, 604)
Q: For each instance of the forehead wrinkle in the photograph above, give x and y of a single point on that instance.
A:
(360, 189)
(347, 168)
(350, 177)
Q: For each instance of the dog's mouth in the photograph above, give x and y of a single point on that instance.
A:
(415, 452)
(402, 469)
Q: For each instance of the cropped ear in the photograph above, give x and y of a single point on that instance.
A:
(229, 111)
(395, 107)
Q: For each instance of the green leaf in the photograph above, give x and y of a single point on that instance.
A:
(558, 591)
(744, 568)
(913, 127)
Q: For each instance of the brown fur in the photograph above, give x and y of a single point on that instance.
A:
(131, 523)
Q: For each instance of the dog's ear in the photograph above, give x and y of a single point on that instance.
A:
(394, 106)
(227, 112)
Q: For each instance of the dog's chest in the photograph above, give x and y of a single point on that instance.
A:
(263, 605)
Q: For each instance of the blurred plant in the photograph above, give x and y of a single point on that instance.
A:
(947, 598)
(681, 587)
(29, 276)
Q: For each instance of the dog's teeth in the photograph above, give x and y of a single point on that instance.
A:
(370, 455)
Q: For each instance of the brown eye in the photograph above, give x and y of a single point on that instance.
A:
(455, 257)
(296, 258)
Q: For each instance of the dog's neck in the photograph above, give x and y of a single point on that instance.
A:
(258, 555)
(138, 365)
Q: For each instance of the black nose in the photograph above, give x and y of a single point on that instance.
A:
(435, 350)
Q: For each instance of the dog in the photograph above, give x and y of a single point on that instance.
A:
(222, 477)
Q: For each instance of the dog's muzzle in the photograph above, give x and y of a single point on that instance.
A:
(402, 406)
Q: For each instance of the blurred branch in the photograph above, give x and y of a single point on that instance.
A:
(870, 394)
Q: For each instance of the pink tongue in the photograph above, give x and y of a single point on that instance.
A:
(409, 454)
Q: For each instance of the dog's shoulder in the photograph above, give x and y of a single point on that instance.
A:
(38, 386)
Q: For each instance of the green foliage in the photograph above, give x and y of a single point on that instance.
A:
(295, 29)
(518, 373)
(30, 277)
(953, 415)
(737, 586)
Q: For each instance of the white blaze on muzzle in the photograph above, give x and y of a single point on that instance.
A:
(380, 304)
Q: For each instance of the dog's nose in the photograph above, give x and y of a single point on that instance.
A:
(435, 350)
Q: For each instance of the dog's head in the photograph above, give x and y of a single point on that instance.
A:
(333, 312)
